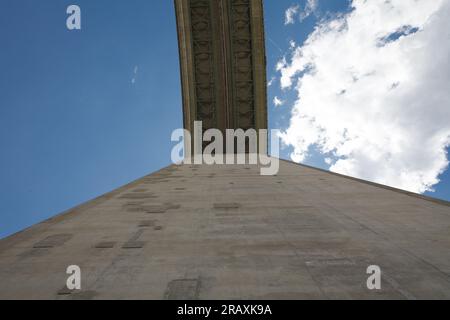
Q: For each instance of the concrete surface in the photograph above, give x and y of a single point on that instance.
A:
(225, 232)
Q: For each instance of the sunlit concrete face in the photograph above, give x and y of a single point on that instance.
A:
(226, 232)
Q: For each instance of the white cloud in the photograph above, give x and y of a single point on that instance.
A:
(278, 102)
(310, 8)
(375, 103)
(290, 14)
(293, 11)
(271, 81)
(135, 72)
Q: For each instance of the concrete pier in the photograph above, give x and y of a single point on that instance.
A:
(226, 232)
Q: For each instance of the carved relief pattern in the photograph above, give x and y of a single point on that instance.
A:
(203, 62)
(241, 37)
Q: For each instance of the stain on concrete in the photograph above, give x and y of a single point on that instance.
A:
(53, 241)
(228, 205)
(183, 289)
(105, 245)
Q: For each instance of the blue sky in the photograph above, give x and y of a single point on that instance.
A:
(84, 112)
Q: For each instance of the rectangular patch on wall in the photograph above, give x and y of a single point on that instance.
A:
(105, 245)
(53, 241)
(183, 289)
(146, 224)
(133, 245)
(231, 205)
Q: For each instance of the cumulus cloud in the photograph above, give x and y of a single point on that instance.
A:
(373, 92)
(290, 14)
(278, 102)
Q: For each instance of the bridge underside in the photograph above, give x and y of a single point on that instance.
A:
(223, 64)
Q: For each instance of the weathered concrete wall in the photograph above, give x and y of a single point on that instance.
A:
(213, 232)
